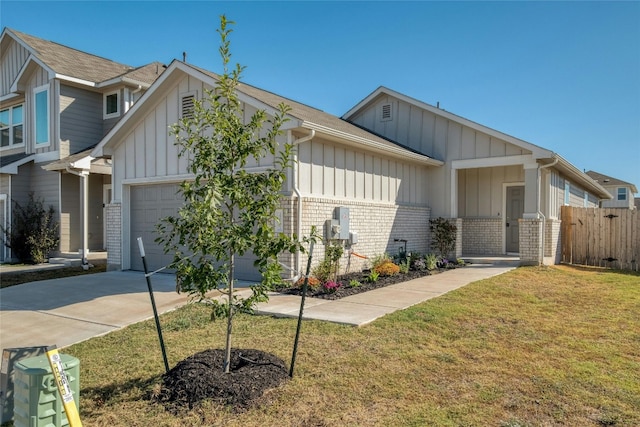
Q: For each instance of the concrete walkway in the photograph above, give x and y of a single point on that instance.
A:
(69, 310)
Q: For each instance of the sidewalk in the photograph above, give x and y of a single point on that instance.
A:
(70, 310)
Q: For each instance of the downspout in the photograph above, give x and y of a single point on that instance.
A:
(544, 218)
(296, 190)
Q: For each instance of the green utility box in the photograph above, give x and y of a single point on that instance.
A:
(36, 400)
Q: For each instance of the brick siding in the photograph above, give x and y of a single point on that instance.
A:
(482, 236)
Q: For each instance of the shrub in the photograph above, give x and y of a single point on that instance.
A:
(443, 236)
(33, 233)
(379, 260)
(387, 269)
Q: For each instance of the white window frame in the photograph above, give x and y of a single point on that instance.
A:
(104, 103)
(624, 198)
(567, 193)
(36, 92)
(11, 126)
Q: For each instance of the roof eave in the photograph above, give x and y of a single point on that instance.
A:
(397, 152)
(581, 177)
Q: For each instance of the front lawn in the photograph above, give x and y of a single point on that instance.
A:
(535, 346)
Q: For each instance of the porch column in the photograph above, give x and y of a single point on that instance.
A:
(531, 233)
(84, 215)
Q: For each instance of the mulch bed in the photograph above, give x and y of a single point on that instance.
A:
(201, 377)
(346, 290)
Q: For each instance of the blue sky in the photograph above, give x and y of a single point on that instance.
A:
(562, 75)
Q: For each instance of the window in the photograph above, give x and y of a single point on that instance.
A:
(111, 104)
(586, 199)
(567, 193)
(41, 108)
(622, 193)
(11, 126)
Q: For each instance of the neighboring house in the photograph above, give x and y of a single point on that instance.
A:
(55, 104)
(622, 192)
(386, 168)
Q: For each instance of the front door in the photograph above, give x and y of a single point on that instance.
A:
(515, 209)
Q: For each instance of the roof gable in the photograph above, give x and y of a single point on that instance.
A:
(607, 181)
(301, 115)
(80, 67)
(537, 151)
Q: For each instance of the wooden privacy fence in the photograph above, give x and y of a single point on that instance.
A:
(601, 237)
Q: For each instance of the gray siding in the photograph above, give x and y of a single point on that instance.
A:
(81, 124)
(11, 62)
(70, 213)
(480, 192)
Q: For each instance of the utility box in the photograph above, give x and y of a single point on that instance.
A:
(342, 215)
(11, 356)
(37, 401)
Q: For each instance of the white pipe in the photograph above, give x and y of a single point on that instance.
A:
(544, 218)
(296, 190)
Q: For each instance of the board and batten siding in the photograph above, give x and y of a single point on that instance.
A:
(148, 151)
(481, 190)
(430, 134)
(12, 60)
(80, 119)
(329, 170)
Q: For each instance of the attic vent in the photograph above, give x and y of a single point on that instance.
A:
(386, 113)
(186, 105)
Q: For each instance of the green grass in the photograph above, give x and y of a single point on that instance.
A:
(533, 347)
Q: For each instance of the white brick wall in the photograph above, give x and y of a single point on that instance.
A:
(377, 225)
(114, 237)
(530, 241)
(482, 236)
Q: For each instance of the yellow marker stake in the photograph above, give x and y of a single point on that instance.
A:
(63, 387)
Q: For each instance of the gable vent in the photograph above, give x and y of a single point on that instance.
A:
(386, 112)
(186, 105)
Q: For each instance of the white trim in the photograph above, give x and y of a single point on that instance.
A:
(31, 58)
(106, 188)
(56, 109)
(125, 227)
(165, 179)
(48, 156)
(11, 127)
(3, 198)
(10, 96)
(74, 80)
(12, 169)
(105, 95)
(504, 215)
(36, 91)
(526, 160)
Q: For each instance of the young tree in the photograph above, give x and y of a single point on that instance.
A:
(228, 210)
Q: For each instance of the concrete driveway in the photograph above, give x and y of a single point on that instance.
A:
(70, 310)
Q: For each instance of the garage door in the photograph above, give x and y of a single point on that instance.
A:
(150, 203)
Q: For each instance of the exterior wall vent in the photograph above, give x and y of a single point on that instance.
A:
(186, 105)
(386, 113)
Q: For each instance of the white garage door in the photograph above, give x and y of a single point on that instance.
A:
(150, 203)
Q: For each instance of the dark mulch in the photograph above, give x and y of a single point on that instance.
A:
(201, 377)
(346, 289)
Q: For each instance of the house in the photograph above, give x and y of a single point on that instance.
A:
(621, 192)
(55, 104)
(372, 178)
(504, 193)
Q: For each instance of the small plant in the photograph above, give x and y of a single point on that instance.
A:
(313, 283)
(431, 260)
(323, 271)
(419, 264)
(353, 283)
(331, 286)
(387, 269)
(460, 262)
(373, 276)
(404, 267)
